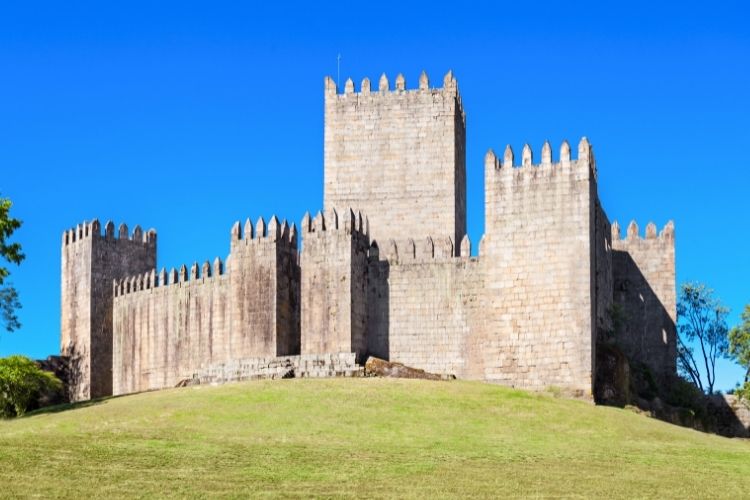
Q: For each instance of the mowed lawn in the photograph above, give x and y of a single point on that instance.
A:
(361, 437)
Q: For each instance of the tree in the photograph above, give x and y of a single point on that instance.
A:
(22, 383)
(701, 325)
(10, 252)
(739, 349)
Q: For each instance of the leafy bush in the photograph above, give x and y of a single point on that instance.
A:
(682, 393)
(22, 383)
(743, 392)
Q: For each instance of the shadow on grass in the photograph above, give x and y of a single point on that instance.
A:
(71, 406)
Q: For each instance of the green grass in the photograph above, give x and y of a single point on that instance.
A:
(361, 437)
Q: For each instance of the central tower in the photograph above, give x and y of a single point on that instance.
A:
(398, 156)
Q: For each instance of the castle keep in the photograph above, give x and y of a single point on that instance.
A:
(386, 268)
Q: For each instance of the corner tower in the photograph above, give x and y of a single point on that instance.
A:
(90, 263)
(399, 156)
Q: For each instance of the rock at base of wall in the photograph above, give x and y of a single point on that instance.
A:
(731, 414)
(341, 364)
(612, 383)
(376, 367)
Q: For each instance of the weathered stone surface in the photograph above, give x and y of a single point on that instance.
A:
(281, 367)
(398, 156)
(381, 368)
(165, 333)
(644, 289)
(90, 263)
(334, 278)
(391, 278)
(732, 415)
(612, 385)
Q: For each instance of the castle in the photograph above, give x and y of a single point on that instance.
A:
(386, 268)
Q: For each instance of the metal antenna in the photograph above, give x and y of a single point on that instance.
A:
(338, 71)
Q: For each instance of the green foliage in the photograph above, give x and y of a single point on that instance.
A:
(683, 394)
(701, 327)
(739, 349)
(22, 383)
(743, 391)
(10, 252)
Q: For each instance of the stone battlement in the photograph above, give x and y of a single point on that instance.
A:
(93, 230)
(384, 270)
(273, 232)
(151, 280)
(427, 249)
(632, 234)
(349, 222)
(384, 90)
(547, 166)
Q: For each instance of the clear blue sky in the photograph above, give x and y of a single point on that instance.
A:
(187, 116)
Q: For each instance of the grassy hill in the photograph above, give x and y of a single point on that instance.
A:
(363, 437)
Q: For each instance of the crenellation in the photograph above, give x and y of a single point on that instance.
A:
(643, 270)
(546, 154)
(273, 231)
(427, 249)
(236, 232)
(565, 154)
(424, 81)
(633, 231)
(390, 273)
(400, 83)
(466, 247)
(383, 83)
(372, 139)
(508, 157)
(247, 233)
(330, 220)
(260, 229)
(527, 156)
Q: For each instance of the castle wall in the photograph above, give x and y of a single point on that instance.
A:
(169, 326)
(552, 277)
(164, 331)
(539, 259)
(604, 276)
(264, 290)
(423, 305)
(333, 289)
(398, 156)
(644, 289)
(90, 261)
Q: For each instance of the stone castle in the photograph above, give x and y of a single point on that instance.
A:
(386, 268)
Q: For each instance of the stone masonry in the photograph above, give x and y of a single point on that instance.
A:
(385, 269)
(398, 156)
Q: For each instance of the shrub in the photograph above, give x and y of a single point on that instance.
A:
(22, 382)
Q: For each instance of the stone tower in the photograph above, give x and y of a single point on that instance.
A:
(90, 263)
(334, 283)
(398, 156)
